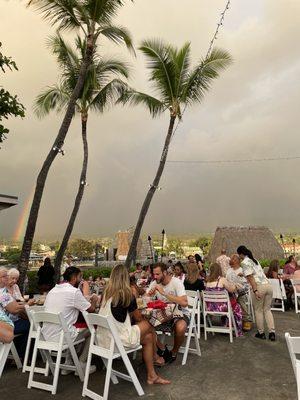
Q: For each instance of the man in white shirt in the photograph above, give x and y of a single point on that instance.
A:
(168, 288)
(223, 260)
(67, 299)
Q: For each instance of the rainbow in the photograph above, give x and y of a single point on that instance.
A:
(20, 229)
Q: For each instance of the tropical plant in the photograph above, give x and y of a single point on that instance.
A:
(101, 89)
(81, 248)
(178, 86)
(93, 18)
(9, 104)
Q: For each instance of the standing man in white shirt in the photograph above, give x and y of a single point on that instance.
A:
(223, 260)
(168, 288)
(67, 299)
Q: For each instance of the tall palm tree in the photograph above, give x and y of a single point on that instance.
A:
(178, 86)
(93, 18)
(101, 89)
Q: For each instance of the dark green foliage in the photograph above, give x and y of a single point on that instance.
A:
(9, 104)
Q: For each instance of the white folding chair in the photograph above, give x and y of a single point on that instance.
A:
(218, 297)
(5, 349)
(193, 294)
(278, 294)
(293, 344)
(115, 350)
(41, 344)
(193, 305)
(32, 336)
(295, 283)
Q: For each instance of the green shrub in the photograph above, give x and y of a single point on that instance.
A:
(32, 282)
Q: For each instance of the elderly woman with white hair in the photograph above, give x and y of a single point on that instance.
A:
(12, 286)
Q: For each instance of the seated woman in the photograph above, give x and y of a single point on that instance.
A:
(12, 286)
(46, 275)
(119, 303)
(192, 280)
(273, 271)
(288, 272)
(216, 282)
(200, 264)
(179, 271)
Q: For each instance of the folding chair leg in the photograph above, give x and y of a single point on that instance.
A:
(33, 361)
(197, 345)
(87, 374)
(298, 380)
(132, 374)
(4, 351)
(56, 371)
(16, 355)
(113, 377)
(205, 326)
(107, 379)
(25, 363)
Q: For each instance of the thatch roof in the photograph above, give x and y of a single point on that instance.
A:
(259, 239)
(123, 240)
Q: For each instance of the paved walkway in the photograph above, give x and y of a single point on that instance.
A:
(247, 369)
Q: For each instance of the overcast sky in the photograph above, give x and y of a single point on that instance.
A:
(252, 111)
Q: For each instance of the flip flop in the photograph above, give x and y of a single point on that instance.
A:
(158, 381)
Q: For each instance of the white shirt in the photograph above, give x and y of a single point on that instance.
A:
(175, 288)
(233, 275)
(250, 268)
(68, 300)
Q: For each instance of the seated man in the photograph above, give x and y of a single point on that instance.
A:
(235, 275)
(6, 328)
(67, 299)
(168, 288)
(16, 313)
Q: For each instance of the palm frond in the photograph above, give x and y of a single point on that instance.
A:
(181, 60)
(154, 105)
(53, 97)
(102, 11)
(118, 35)
(108, 95)
(201, 77)
(162, 67)
(66, 56)
(63, 13)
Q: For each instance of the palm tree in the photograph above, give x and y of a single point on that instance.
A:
(101, 89)
(92, 18)
(178, 86)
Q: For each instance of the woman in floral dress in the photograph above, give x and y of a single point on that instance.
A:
(215, 282)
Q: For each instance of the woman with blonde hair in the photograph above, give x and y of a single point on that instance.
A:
(119, 302)
(192, 280)
(12, 286)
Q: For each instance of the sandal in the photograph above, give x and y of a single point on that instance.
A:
(158, 381)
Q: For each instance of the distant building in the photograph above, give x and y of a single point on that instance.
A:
(7, 201)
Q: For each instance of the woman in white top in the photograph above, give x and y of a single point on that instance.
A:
(12, 286)
(262, 292)
(119, 303)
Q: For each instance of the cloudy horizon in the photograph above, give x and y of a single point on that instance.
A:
(251, 112)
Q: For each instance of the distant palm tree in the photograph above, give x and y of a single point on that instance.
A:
(178, 86)
(102, 88)
(92, 18)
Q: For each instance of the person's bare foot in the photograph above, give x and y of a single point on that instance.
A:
(159, 361)
(158, 380)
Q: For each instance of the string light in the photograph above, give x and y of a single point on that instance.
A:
(59, 150)
(155, 187)
(84, 183)
(214, 38)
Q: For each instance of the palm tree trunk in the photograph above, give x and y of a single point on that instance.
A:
(132, 250)
(58, 143)
(82, 181)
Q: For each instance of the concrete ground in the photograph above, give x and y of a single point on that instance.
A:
(247, 369)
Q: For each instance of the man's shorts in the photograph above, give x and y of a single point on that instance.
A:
(169, 326)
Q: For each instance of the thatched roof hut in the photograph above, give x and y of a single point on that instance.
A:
(259, 239)
(123, 241)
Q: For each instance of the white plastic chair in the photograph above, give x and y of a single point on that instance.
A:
(65, 343)
(193, 305)
(218, 297)
(115, 350)
(296, 282)
(5, 349)
(293, 344)
(32, 336)
(193, 294)
(278, 294)
(250, 305)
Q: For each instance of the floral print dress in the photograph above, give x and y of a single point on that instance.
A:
(222, 307)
